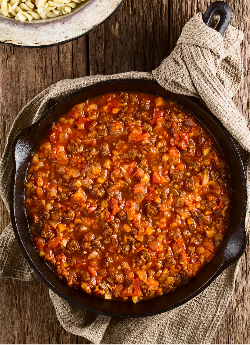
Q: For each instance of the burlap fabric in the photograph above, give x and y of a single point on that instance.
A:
(204, 65)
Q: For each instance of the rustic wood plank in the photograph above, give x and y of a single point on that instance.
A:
(137, 37)
(179, 13)
(134, 38)
(26, 72)
(28, 315)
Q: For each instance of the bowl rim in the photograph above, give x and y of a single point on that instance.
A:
(11, 30)
(238, 235)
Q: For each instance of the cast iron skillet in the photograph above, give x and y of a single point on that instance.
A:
(233, 244)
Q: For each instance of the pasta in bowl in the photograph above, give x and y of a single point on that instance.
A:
(39, 23)
(27, 10)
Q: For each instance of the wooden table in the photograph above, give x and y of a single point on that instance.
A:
(137, 37)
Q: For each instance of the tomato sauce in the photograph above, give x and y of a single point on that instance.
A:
(127, 196)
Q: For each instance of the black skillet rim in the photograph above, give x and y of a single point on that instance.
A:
(224, 264)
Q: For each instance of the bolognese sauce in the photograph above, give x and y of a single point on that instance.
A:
(127, 196)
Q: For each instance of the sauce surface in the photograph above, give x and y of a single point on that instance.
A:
(127, 196)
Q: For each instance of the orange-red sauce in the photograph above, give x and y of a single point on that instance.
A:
(127, 196)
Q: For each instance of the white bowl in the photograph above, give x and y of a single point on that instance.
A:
(48, 32)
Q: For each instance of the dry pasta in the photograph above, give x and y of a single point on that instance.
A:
(27, 10)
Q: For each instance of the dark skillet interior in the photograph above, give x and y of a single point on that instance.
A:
(230, 250)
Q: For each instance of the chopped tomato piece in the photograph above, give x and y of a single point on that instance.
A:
(158, 178)
(157, 115)
(39, 242)
(92, 271)
(209, 246)
(79, 196)
(61, 227)
(140, 188)
(181, 140)
(156, 246)
(114, 206)
(180, 167)
(39, 191)
(152, 284)
(174, 152)
(135, 136)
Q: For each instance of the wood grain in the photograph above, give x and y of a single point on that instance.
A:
(133, 39)
(136, 37)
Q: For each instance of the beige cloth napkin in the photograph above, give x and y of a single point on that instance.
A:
(204, 65)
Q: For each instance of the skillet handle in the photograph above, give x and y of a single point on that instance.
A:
(225, 13)
(235, 247)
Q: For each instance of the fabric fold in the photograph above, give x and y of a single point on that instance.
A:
(206, 65)
(12, 262)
